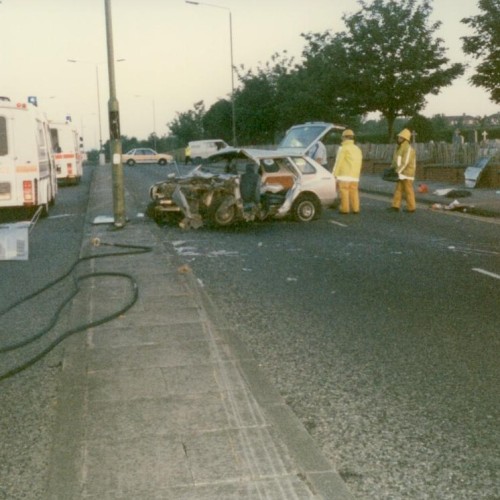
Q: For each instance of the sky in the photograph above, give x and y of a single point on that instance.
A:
(173, 54)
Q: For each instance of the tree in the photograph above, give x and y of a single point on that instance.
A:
(259, 106)
(442, 128)
(485, 45)
(389, 59)
(324, 80)
(217, 121)
(256, 110)
(188, 126)
(422, 126)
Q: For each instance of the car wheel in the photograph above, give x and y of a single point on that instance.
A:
(162, 161)
(222, 214)
(306, 209)
(130, 163)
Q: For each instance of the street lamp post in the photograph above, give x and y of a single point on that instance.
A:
(114, 129)
(233, 112)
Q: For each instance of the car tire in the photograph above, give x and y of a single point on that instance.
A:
(306, 208)
(130, 163)
(222, 216)
(162, 161)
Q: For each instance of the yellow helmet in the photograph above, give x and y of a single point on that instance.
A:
(347, 133)
(405, 134)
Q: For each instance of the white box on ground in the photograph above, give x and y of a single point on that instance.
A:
(14, 241)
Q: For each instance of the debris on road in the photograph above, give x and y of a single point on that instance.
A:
(455, 205)
(453, 193)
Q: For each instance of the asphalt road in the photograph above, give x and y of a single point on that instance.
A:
(27, 400)
(380, 330)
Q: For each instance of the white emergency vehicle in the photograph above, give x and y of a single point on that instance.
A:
(67, 153)
(27, 170)
(203, 149)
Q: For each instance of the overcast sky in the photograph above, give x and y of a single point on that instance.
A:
(175, 54)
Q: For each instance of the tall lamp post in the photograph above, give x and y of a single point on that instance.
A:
(114, 128)
(191, 2)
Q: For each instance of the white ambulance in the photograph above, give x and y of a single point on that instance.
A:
(67, 154)
(27, 170)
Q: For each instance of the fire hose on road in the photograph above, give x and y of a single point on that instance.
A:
(77, 280)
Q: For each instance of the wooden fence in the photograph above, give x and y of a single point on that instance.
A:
(430, 153)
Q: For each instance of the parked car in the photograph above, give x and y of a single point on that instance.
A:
(146, 155)
(246, 184)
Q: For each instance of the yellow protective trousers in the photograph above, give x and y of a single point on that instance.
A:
(404, 187)
(349, 197)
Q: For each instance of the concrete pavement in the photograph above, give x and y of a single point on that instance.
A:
(164, 402)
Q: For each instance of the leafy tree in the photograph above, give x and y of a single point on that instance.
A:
(443, 131)
(256, 110)
(485, 45)
(168, 143)
(422, 126)
(324, 79)
(217, 121)
(389, 59)
(259, 106)
(188, 126)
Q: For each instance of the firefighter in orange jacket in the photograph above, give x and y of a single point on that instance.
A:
(404, 161)
(347, 170)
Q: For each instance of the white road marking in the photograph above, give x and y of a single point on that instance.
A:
(487, 273)
(60, 216)
(337, 223)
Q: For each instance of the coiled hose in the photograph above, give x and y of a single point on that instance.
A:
(134, 250)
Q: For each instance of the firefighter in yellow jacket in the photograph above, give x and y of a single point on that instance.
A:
(404, 162)
(347, 170)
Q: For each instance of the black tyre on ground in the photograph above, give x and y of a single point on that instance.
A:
(221, 214)
(306, 208)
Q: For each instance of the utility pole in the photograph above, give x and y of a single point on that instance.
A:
(114, 130)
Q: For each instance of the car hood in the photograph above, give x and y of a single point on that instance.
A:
(300, 138)
(297, 142)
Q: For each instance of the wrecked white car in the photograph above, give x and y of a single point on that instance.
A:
(246, 184)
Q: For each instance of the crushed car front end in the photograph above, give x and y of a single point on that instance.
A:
(199, 198)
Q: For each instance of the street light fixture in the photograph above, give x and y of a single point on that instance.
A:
(191, 2)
